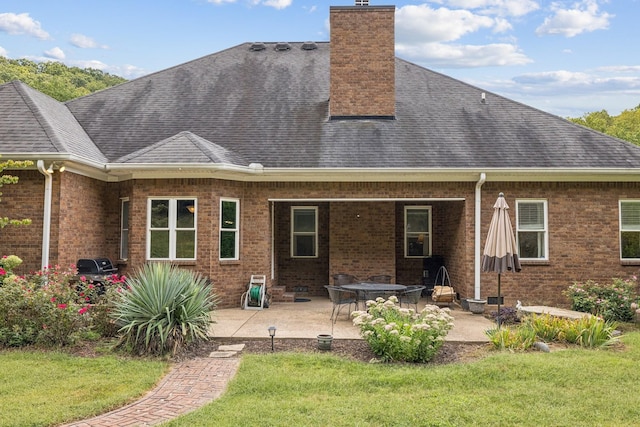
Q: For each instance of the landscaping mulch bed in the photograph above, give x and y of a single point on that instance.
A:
(450, 352)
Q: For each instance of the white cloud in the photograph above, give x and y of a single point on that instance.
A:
(571, 94)
(583, 16)
(85, 42)
(424, 24)
(278, 4)
(423, 33)
(496, 7)
(585, 82)
(55, 53)
(454, 56)
(21, 24)
(3, 52)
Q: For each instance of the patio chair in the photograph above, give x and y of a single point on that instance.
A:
(344, 279)
(411, 296)
(380, 278)
(340, 297)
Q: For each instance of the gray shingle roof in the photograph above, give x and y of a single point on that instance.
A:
(187, 146)
(31, 121)
(269, 106)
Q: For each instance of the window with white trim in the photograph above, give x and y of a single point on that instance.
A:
(304, 231)
(629, 229)
(417, 231)
(229, 229)
(531, 229)
(171, 233)
(124, 228)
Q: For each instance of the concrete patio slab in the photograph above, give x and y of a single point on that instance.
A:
(311, 318)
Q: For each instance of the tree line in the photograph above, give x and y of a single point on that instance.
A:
(56, 79)
(625, 126)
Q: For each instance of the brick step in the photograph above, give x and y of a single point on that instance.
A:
(280, 294)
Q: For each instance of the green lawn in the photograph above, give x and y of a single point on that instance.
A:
(564, 388)
(48, 388)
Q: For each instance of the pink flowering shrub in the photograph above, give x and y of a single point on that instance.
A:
(611, 301)
(52, 307)
(100, 299)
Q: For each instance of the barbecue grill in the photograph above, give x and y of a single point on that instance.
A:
(96, 269)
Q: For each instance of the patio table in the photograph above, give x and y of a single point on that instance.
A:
(364, 289)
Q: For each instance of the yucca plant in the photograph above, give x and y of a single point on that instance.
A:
(164, 308)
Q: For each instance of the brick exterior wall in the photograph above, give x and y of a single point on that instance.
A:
(362, 80)
(583, 230)
(19, 201)
(362, 239)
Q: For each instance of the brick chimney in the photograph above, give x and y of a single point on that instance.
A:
(362, 62)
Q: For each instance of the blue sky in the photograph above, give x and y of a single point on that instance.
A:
(564, 57)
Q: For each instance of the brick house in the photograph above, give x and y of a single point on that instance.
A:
(303, 160)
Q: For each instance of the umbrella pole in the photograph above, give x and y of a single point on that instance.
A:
(498, 318)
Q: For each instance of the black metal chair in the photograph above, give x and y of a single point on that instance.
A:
(411, 296)
(344, 279)
(380, 278)
(340, 297)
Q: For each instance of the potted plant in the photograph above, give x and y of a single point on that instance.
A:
(477, 306)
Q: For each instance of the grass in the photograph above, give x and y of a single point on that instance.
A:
(574, 387)
(565, 388)
(48, 388)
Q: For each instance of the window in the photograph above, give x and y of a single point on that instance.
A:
(531, 229)
(630, 229)
(417, 231)
(172, 229)
(304, 231)
(124, 229)
(229, 231)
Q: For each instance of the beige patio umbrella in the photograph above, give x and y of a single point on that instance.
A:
(500, 249)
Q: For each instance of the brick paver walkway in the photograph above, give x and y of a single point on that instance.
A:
(188, 386)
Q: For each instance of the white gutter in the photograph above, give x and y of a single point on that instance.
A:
(483, 178)
(46, 215)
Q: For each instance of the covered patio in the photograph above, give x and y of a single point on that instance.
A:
(310, 318)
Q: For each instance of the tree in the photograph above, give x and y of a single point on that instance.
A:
(56, 79)
(624, 126)
(10, 179)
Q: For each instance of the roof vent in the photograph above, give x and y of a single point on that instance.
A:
(362, 2)
(309, 46)
(281, 47)
(257, 47)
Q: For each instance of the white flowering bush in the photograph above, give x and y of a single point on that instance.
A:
(402, 334)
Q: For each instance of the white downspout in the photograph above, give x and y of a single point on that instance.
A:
(46, 215)
(483, 178)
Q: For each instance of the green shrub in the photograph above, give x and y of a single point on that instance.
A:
(101, 298)
(7, 265)
(512, 338)
(546, 327)
(590, 331)
(41, 308)
(612, 301)
(401, 334)
(163, 309)
(587, 331)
